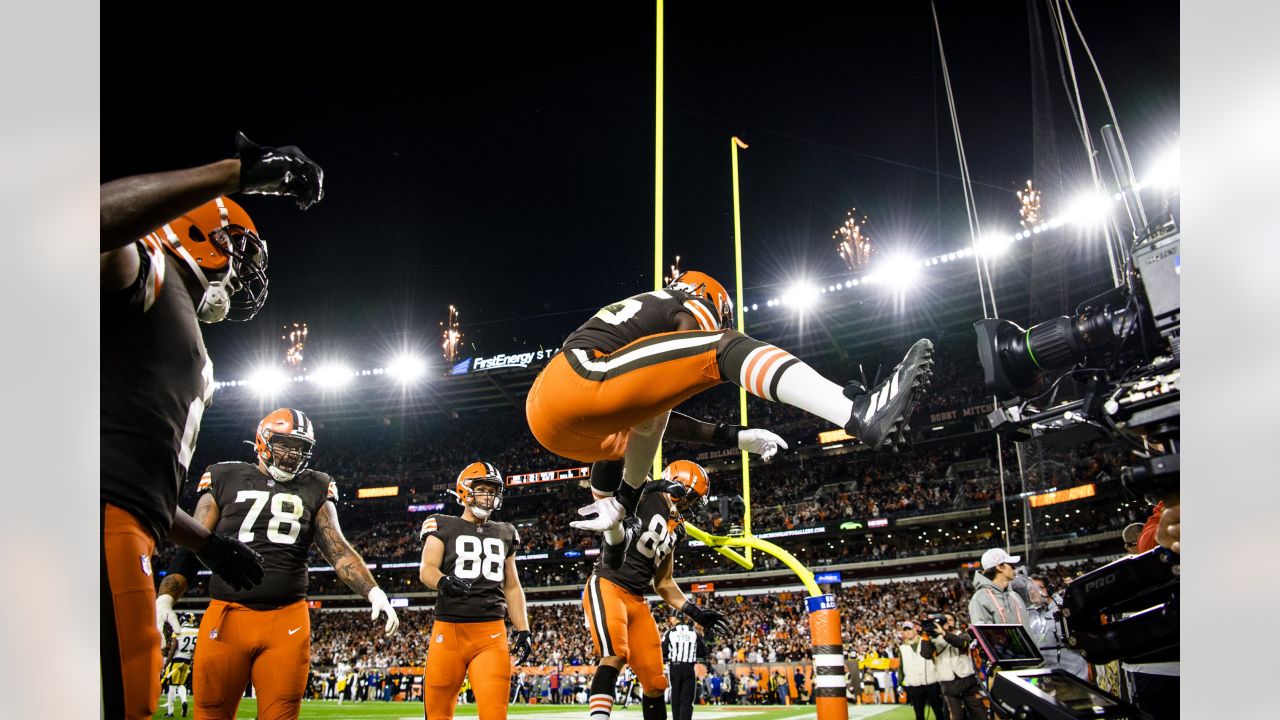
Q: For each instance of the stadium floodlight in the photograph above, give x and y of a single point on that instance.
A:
(268, 382)
(332, 376)
(899, 271)
(407, 368)
(994, 244)
(801, 296)
(1087, 210)
(1166, 174)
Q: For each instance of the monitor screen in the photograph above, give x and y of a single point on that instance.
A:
(1007, 645)
(1069, 691)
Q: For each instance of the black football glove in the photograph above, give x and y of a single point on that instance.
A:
(233, 561)
(711, 621)
(522, 645)
(279, 171)
(451, 586)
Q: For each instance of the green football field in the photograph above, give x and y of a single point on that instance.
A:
(413, 711)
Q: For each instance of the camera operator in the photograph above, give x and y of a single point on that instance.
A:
(993, 602)
(1153, 687)
(955, 670)
(1047, 633)
(920, 674)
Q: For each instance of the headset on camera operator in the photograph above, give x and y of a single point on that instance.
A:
(956, 677)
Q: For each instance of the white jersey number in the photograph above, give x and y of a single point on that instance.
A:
(286, 511)
(476, 558)
(656, 541)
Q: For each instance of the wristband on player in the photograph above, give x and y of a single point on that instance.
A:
(726, 435)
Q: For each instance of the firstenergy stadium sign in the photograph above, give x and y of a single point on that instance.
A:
(504, 361)
(549, 476)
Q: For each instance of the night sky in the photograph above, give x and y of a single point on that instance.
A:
(502, 160)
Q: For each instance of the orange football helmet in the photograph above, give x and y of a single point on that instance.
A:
(469, 495)
(705, 287)
(284, 462)
(691, 475)
(221, 244)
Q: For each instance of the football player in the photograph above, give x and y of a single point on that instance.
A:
(606, 398)
(174, 252)
(470, 561)
(177, 662)
(617, 615)
(278, 507)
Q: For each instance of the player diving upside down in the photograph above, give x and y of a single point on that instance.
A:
(607, 397)
(470, 560)
(619, 619)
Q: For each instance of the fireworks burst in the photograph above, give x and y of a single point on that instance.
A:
(295, 341)
(675, 272)
(451, 336)
(1030, 211)
(852, 242)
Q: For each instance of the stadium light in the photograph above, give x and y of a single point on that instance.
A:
(407, 368)
(802, 296)
(1088, 210)
(1166, 174)
(899, 271)
(268, 381)
(332, 376)
(994, 245)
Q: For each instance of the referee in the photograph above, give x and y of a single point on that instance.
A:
(681, 648)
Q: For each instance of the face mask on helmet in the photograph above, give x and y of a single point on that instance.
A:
(229, 259)
(694, 478)
(484, 498)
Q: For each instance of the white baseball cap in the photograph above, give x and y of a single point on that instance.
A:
(995, 556)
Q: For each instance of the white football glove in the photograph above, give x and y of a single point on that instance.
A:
(761, 442)
(165, 614)
(381, 604)
(601, 515)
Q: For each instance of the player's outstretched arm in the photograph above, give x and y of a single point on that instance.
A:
(349, 566)
(134, 206)
(759, 441)
(664, 584)
(522, 644)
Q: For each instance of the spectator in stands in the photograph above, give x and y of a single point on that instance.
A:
(920, 674)
(993, 601)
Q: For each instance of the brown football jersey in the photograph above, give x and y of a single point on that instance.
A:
(654, 535)
(277, 519)
(639, 316)
(156, 379)
(477, 553)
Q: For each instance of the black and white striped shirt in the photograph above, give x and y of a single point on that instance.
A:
(683, 645)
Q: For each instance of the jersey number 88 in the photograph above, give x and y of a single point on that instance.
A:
(476, 558)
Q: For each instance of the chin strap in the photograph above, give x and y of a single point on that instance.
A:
(216, 301)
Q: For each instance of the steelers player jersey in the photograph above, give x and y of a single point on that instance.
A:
(185, 637)
(638, 316)
(477, 553)
(156, 379)
(277, 519)
(654, 535)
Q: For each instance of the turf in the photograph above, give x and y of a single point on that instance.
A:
(413, 711)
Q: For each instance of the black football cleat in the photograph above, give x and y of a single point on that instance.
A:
(613, 554)
(880, 417)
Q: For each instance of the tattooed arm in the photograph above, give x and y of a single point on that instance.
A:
(344, 558)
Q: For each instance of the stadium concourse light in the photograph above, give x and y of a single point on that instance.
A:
(801, 296)
(899, 271)
(332, 376)
(407, 368)
(268, 381)
(1088, 210)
